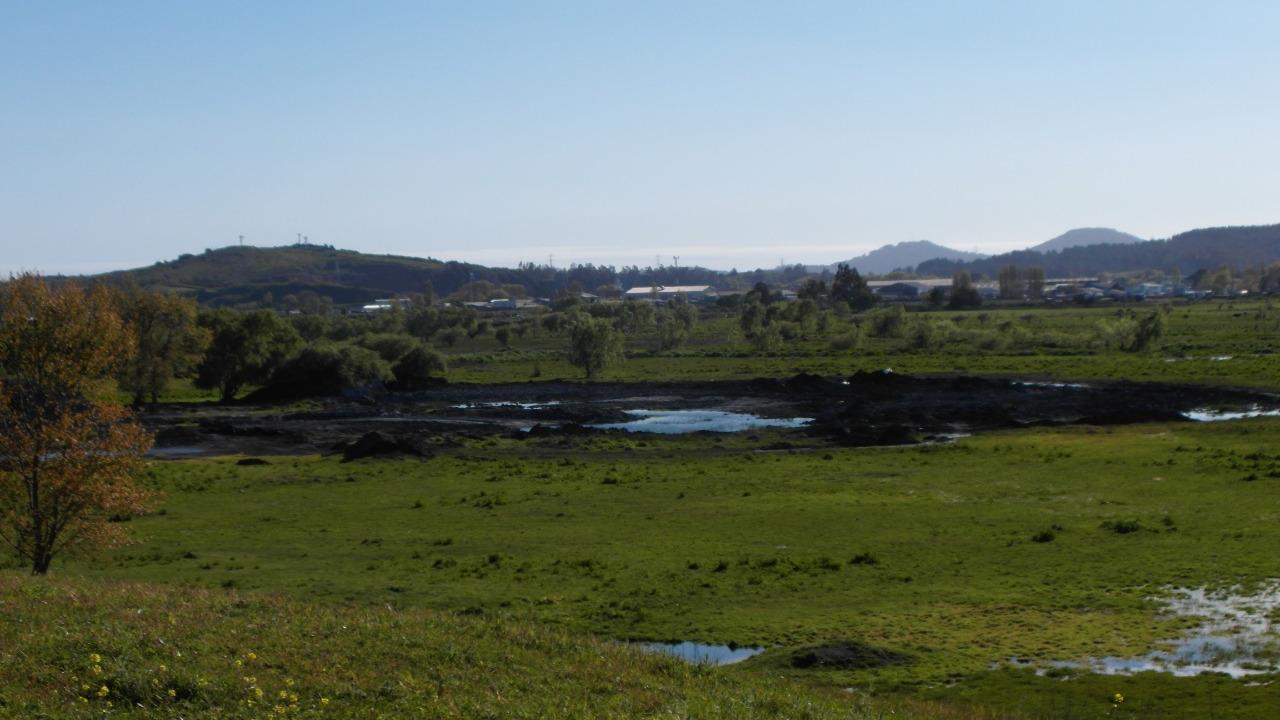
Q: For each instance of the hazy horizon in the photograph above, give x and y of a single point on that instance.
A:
(729, 135)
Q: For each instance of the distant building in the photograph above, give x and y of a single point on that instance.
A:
(382, 305)
(664, 293)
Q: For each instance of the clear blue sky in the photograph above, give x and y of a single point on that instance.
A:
(730, 134)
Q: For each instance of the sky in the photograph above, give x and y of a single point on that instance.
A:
(729, 134)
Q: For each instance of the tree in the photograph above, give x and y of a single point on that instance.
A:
(594, 344)
(168, 342)
(1035, 281)
(937, 297)
(963, 293)
(848, 287)
(244, 348)
(69, 461)
(1011, 282)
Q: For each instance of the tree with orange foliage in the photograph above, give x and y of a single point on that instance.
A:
(67, 460)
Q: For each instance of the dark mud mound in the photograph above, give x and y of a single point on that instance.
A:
(846, 656)
(251, 462)
(381, 444)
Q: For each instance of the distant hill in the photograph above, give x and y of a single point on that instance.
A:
(243, 275)
(1204, 249)
(905, 256)
(1083, 237)
(240, 275)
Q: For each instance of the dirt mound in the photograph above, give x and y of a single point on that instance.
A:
(251, 461)
(846, 656)
(381, 444)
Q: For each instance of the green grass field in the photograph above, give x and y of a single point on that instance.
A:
(79, 649)
(923, 551)
(1224, 343)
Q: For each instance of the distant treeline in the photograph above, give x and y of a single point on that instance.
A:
(1207, 249)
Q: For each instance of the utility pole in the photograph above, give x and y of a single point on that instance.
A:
(241, 241)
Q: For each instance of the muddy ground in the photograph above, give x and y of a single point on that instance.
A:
(880, 408)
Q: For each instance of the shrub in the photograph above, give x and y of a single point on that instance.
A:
(889, 323)
(389, 346)
(328, 369)
(417, 367)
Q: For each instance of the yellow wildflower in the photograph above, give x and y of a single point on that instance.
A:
(95, 658)
(239, 662)
(97, 669)
(1117, 698)
(324, 701)
(251, 656)
(104, 691)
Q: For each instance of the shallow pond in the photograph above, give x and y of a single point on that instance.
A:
(703, 654)
(675, 422)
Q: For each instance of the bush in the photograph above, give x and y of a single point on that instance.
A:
(329, 369)
(890, 322)
(418, 367)
(389, 346)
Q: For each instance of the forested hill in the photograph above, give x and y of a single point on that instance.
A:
(238, 275)
(1207, 249)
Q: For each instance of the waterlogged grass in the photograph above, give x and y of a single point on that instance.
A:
(1045, 545)
(79, 649)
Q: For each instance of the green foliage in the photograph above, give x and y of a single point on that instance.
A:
(244, 348)
(848, 287)
(594, 344)
(418, 366)
(963, 294)
(891, 322)
(168, 342)
(327, 369)
(389, 346)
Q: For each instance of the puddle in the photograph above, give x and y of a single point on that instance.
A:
(675, 422)
(1208, 415)
(1058, 385)
(1236, 637)
(504, 404)
(703, 654)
